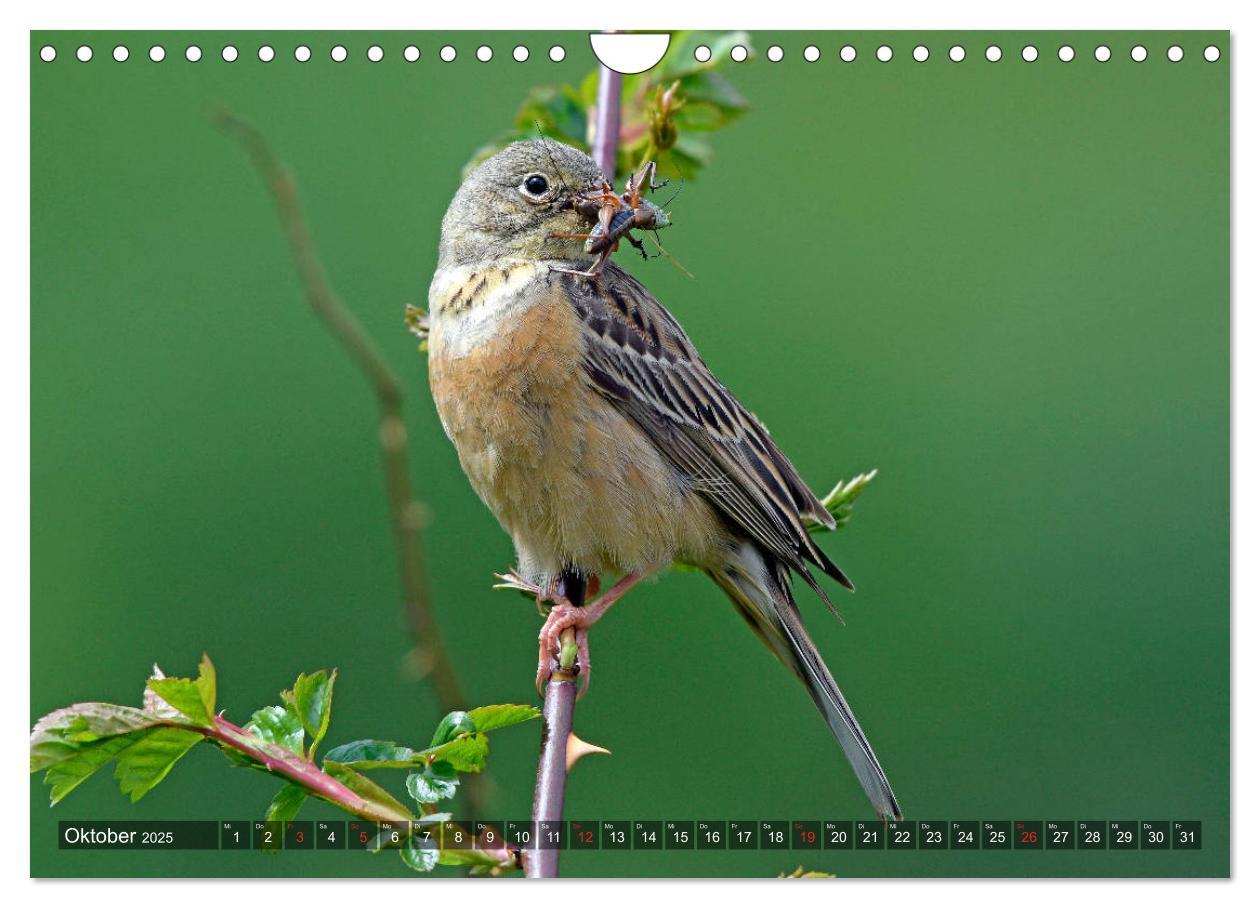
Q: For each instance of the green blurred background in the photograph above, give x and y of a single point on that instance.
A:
(1003, 284)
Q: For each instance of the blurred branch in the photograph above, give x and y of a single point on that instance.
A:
(407, 514)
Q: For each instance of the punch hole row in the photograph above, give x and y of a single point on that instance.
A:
(1029, 53)
(338, 53)
(703, 54)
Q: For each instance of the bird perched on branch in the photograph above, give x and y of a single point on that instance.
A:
(588, 423)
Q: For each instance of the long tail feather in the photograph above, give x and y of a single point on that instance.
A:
(760, 593)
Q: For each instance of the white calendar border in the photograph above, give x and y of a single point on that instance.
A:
(500, 14)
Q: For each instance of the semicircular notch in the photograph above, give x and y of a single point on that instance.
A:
(629, 53)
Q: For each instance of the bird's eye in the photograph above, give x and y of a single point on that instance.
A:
(536, 184)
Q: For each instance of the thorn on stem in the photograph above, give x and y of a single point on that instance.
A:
(576, 749)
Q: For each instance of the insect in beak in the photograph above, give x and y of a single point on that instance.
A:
(614, 217)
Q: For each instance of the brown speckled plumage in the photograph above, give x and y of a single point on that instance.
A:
(589, 424)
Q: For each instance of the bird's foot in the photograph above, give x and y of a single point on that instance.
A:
(564, 615)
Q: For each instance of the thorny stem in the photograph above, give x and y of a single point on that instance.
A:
(304, 772)
(407, 514)
(553, 771)
(299, 770)
(561, 693)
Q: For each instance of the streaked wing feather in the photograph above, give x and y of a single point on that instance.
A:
(640, 358)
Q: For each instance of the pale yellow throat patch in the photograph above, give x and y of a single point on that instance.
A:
(468, 304)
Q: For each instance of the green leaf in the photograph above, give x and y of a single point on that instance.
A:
(183, 696)
(287, 802)
(558, 111)
(368, 790)
(236, 758)
(192, 699)
(839, 501)
(79, 724)
(207, 684)
(419, 859)
(156, 705)
(680, 60)
(75, 742)
(715, 91)
(436, 782)
(312, 701)
(467, 753)
(277, 725)
(466, 857)
(452, 724)
(147, 761)
(66, 775)
(369, 754)
(488, 718)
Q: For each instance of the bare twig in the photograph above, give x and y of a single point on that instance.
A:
(406, 513)
(561, 693)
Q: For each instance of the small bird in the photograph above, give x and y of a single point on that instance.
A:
(588, 423)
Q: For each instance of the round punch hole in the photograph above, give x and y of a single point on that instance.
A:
(1066, 53)
(192, 53)
(1175, 54)
(703, 54)
(1138, 53)
(338, 54)
(83, 54)
(883, 53)
(556, 53)
(302, 53)
(774, 53)
(1102, 53)
(958, 53)
(266, 53)
(1029, 53)
(739, 53)
(48, 53)
(411, 53)
(375, 53)
(228, 53)
(920, 53)
(447, 53)
(121, 53)
(157, 53)
(848, 53)
(811, 53)
(520, 53)
(484, 53)
(1211, 53)
(993, 53)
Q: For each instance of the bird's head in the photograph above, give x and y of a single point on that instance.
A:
(514, 204)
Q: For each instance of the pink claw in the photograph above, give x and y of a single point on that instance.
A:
(564, 614)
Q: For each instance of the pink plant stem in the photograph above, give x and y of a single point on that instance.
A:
(553, 772)
(553, 759)
(299, 770)
(607, 121)
(561, 693)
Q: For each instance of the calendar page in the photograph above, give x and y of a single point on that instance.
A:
(452, 454)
